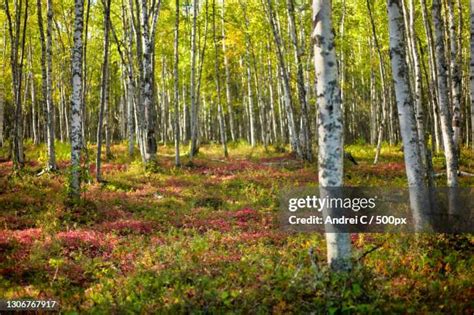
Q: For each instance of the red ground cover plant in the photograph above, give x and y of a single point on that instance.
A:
(128, 226)
(90, 242)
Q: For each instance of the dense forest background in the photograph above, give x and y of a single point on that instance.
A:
(240, 62)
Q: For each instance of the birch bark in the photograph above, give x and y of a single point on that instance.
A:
(330, 124)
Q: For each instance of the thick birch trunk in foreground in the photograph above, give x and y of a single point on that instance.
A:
(330, 127)
(76, 101)
(443, 97)
(406, 112)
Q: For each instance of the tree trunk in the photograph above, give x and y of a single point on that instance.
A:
(418, 83)
(146, 87)
(228, 94)
(294, 141)
(104, 88)
(46, 72)
(443, 97)
(305, 131)
(330, 124)
(76, 101)
(455, 72)
(472, 71)
(385, 93)
(17, 48)
(194, 110)
(176, 86)
(406, 112)
(433, 82)
(218, 84)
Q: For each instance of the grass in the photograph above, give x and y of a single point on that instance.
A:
(204, 238)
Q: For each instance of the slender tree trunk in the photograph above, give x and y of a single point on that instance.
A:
(228, 94)
(406, 111)
(330, 124)
(418, 83)
(218, 84)
(194, 110)
(471, 70)
(433, 77)
(104, 88)
(455, 77)
(84, 76)
(146, 87)
(443, 102)
(385, 93)
(250, 104)
(17, 32)
(294, 141)
(46, 72)
(305, 131)
(76, 101)
(272, 102)
(176, 86)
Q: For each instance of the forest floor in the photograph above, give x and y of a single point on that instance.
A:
(205, 238)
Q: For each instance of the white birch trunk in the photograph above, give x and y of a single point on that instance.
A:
(49, 89)
(227, 78)
(176, 87)
(455, 77)
(46, 71)
(406, 111)
(147, 85)
(330, 125)
(418, 83)
(443, 97)
(76, 100)
(194, 111)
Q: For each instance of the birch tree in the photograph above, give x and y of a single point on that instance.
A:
(330, 125)
(228, 94)
(471, 70)
(176, 86)
(17, 31)
(294, 140)
(76, 100)
(406, 111)
(455, 72)
(218, 84)
(148, 21)
(443, 96)
(305, 130)
(46, 73)
(194, 111)
(104, 88)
